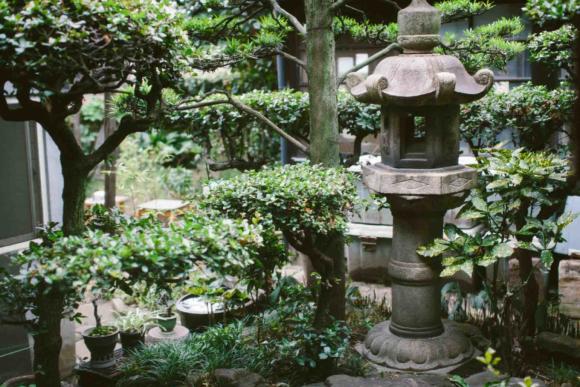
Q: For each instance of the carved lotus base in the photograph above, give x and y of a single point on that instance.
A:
(448, 350)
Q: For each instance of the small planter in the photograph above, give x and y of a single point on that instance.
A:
(102, 347)
(196, 313)
(131, 340)
(166, 322)
(20, 381)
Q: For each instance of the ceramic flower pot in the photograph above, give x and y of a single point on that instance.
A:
(166, 322)
(20, 381)
(131, 340)
(101, 346)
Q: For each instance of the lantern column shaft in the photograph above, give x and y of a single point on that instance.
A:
(415, 284)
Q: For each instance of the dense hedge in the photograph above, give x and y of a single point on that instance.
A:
(534, 112)
(228, 136)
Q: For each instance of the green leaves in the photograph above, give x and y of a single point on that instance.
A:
(554, 48)
(544, 11)
(229, 135)
(502, 250)
(535, 113)
(299, 199)
(435, 249)
(132, 251)
(515, 187)
(452, 10)
(487, 45)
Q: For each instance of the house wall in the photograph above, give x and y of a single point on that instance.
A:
(30, 195)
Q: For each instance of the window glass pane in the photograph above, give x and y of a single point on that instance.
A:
(16, 209)
(359, 58)
(345, 63)
(455, 28)
(517, 68)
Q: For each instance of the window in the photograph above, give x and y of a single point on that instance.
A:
(20, 199)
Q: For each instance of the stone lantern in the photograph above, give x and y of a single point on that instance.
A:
(420, 93)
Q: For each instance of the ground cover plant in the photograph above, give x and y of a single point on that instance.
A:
(279, 342)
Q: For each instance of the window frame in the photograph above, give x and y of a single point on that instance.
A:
(34, 147)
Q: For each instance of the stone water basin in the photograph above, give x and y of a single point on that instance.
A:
(196, 313)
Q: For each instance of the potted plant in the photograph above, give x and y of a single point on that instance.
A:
(45, 284)
(166, 319)
(132, 328)
(101, 340)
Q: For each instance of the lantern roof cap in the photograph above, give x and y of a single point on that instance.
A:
(419, 77)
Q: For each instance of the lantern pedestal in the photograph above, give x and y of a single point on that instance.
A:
(416, 339)
(442, 353)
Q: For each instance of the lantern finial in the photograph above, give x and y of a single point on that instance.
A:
(419, 26)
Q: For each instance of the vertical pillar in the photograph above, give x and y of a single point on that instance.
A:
(415, 338)
(415, 282)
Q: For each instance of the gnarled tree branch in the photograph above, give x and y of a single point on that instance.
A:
(379, 55)
(291, 18)
(245, 108)
(337, 4)
(294, 59)
(127, 126)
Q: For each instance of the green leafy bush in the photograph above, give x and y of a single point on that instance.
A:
(534, 112)
(300, 200)
(518, 202)
(231, 138)
(289, 329)
(554, 48)
(546, 11)
(54, 276)
(517, 189)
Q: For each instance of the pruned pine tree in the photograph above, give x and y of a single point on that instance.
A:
(324, 20)
(560, 49)
(54, 53)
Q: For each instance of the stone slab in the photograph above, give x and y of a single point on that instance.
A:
(387, 380)
(155, 335)
(569, 287)
(484, 378)
(234, 377)
(559, 344)
(386, 180)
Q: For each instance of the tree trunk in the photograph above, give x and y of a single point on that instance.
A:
(530, 290)
(576, 116)
(322, 89)
(357, 148)
(110, 162)
(47, 340)
(541, 73)
(331, 296)
(73, 195)
(324, 145)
